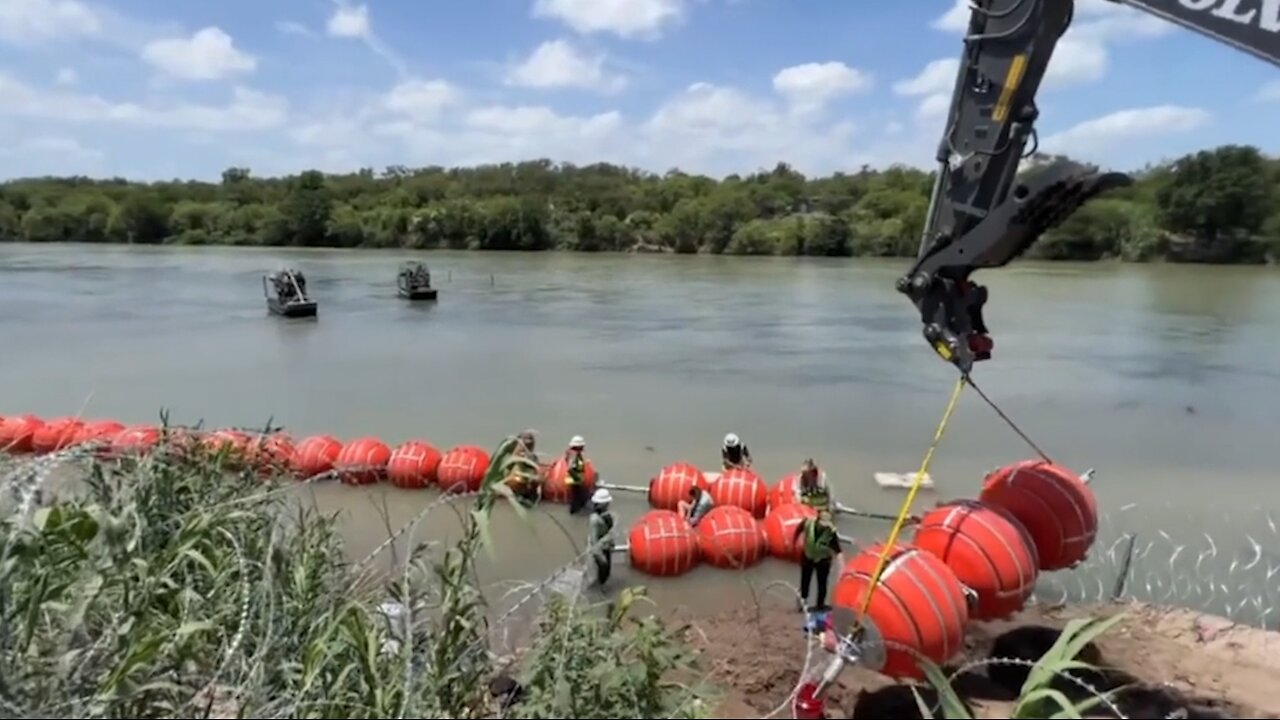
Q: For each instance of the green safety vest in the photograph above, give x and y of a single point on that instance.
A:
(575, 470)
(817, 542)
(818, 497)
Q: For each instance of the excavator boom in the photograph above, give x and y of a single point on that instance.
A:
(981, 214)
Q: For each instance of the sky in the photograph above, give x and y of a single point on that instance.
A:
(150, 90)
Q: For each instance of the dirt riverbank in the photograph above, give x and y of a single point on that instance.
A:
(1177, 663)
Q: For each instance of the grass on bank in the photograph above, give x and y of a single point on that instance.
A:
(178, 585)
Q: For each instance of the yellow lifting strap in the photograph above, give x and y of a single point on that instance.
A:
(905, 511)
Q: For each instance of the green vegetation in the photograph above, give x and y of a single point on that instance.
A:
(180, 586)
(1220, 205)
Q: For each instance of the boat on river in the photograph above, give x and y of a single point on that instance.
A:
(286, 294)
(414, 282)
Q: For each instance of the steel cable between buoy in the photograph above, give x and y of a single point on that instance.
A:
(1007, 420)
(905, 511)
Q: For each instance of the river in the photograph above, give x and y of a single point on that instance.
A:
(1162, 378)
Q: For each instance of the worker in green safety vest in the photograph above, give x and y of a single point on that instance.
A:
(811, 488)
(576, 475)
(821, 547)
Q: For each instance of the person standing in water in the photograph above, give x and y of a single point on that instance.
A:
(821, 546)
(575, 466)
(811, 488)
(600, 535)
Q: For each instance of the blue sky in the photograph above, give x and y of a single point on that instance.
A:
(147, 89)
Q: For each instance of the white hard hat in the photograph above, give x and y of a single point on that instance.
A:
(577, 442)
(731, 440)
(601, 497)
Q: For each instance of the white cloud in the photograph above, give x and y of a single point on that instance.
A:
(1269, 92)
(933, 85)
(67, 148)
(66, 76)
(421, 99)
(292, 27)
(811, 86)
(624, 18)
(353, 22)
(349, 21)
(30, 22)
(558, 64)
(209, 54)
(247, 110)
(1108, 132)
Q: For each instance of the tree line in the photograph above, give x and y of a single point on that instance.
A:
(1220, 205)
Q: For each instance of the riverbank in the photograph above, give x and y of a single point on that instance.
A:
(1175, 660)
(1205, 207)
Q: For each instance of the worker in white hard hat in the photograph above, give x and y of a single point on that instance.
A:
(575, 466)
(734, 453)
(600, 535)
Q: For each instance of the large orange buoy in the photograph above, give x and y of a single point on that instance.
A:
(414, 464)
(16, 433)
(784, 493)
(989, 551)
(663, 544)
(270, 453)
(136, 439)
(1055, 506)
(917, 607)
(55, 435)
(780, 530)
(233, 442)
(672, 485)
(555, 489)
(98, 431)
(315, 455)
(463, 468)
(730, 537)
(363, 461)
(743, 488)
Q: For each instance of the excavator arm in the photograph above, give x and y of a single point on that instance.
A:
(981, 214)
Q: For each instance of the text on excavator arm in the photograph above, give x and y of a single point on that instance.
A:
(981, 214)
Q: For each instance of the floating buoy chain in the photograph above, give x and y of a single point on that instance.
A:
(1007, 420)
(905, 511)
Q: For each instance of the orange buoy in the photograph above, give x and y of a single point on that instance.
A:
(780, 530)
(315, 455)
(55, 435)
(730, 537)
(270, 453)
(136, 439)
(462, 469)
(16, 433)
(233, 442)
(784, 493)
(917, 607)
(98, 431)
(555, 489)
(1058, 510)
(743, 488)
(672, 485)
(413, 465)
(363, 461)
(663, 544)
(989, 551)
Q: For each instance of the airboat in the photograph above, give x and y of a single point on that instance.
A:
(414, 282)
(286, 294)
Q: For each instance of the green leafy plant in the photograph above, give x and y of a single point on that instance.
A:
(182, 584)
